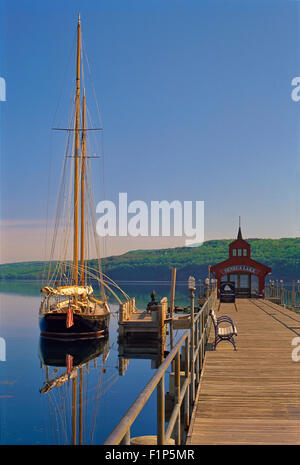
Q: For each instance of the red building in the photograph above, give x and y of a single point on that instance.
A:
(248, 274)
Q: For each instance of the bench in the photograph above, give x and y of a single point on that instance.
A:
(226, 333)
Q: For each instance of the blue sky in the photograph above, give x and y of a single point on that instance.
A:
(195, 99)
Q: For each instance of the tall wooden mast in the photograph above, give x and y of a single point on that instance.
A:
(83, 161)
(76, 158)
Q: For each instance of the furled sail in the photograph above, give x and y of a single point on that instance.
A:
(68, 290)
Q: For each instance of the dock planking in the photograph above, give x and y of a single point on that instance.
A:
(251, 396)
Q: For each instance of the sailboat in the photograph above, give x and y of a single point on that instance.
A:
(69, 307)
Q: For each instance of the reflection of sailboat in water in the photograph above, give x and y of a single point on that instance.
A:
(72, 395)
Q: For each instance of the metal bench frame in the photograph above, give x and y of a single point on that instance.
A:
(219, 337)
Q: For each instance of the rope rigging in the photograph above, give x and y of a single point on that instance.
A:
(59, 268)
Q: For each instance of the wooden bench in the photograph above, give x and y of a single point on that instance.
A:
(226, 333)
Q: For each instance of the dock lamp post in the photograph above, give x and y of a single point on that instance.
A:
(206, 287)
(272, 288)
(192, 288)
(281, 290)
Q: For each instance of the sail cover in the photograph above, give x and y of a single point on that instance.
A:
(68, 290)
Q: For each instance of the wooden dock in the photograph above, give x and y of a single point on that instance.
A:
(251, 396)
(134, 323)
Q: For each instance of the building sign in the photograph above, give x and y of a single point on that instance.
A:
(249, 269)
(227, 292)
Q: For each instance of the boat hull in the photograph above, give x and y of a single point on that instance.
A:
(53, 353)
(53, 326)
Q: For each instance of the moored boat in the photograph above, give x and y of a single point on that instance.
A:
(69, 308)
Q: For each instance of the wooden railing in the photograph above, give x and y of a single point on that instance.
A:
(282, 296)
(126, 309)
(186, 355)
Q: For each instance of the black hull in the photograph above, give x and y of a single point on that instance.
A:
(53, 353)
(53, 325)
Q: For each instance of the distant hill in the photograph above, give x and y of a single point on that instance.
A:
(282, 255)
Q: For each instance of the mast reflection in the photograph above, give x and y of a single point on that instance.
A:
(67, 367)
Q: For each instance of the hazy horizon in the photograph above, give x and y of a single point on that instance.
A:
(196, 104)
(118, 252)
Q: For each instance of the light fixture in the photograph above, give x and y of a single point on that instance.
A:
(191, 283)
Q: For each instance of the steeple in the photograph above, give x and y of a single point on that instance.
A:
(239, 236)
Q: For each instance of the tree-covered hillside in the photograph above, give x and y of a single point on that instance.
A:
(282, 255)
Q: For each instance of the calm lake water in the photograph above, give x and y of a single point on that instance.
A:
(29, 416)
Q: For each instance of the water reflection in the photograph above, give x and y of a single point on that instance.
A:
(31, 417)
(141, 349)
(66, 367)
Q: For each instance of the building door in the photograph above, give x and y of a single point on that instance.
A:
(244, 288)
(242, 284)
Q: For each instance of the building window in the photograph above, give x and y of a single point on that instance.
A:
(245, 252)
(234, 252)
(239, 252)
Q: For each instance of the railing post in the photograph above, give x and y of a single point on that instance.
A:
(126, 439)
(125, 312)
(197, 358)
(200, 348)
(120, 313)
(204, 328)
(286, 297)
(161, 411)
(192, 341)
(177, 398)
(187, 374)
(161, 316)
(293, 300)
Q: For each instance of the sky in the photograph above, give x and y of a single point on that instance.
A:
(195, 101)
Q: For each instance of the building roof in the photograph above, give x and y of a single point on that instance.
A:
(244, 263)
(239, 236)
